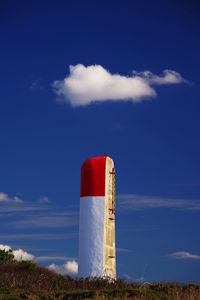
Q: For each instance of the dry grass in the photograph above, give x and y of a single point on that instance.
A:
(29, 281)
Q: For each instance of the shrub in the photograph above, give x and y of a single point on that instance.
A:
(6, 256)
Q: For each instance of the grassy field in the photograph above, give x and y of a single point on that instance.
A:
(27, 280)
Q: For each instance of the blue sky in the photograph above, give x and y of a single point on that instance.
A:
(153, 140)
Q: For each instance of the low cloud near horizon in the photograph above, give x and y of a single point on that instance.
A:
(69, 268)
(85, 85)
(19, 254)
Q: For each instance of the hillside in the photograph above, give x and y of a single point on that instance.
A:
(27, 280)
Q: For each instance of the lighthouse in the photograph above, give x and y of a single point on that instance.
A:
(97, 255)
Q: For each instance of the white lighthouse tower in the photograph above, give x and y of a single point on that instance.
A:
(97, 255)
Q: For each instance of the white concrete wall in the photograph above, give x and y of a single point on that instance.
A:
(91, 236)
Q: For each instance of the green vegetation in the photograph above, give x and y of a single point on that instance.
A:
(6, 256)
(27, 280)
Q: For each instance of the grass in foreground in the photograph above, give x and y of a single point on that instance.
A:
(26, 280)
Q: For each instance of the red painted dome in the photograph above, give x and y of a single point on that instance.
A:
(93, 177)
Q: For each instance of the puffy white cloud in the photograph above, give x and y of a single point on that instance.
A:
(5, 247)
(5, 198)
(69, 268)
(85, 85)
(19, 254)
(184, 255)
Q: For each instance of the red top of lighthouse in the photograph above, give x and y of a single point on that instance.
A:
(93, 177)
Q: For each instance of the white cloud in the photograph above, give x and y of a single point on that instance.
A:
(184, 255)
(69, 268)
(57, 268)
(85, 85)
(19, 254)
(5, 247)
(5, 198)
(169, 77)
(138, 202)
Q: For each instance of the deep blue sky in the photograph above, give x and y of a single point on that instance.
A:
(155, 144)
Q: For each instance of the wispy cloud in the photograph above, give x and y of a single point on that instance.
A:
(37, 84)
(184, 255)
(38, 236)
(85, 85)
(139, 202)
(25, 223)
(53, 220)
(17, 206)
(168, 77)
(41, 213)
(4, 198)
(44, 199)
(26, 207)
(50, 258)
(123, 250)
